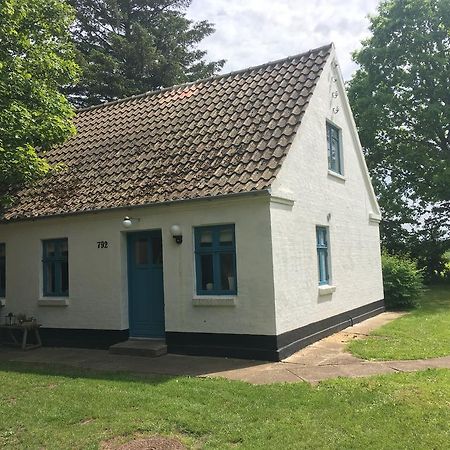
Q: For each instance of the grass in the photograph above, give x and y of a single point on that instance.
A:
(63, 408)
(423, 333)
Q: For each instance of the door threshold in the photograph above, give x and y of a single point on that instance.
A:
(140, 347)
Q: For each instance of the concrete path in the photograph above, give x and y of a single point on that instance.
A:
(322, 360)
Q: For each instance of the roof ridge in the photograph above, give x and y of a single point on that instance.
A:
(202, 80)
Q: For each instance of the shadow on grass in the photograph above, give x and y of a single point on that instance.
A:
(66, 371)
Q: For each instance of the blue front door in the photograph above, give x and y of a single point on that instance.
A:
(145, 285)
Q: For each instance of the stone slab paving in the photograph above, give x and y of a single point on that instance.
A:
(420, 364)
(314, 374)
(320, 361)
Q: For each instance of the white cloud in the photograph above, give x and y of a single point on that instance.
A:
(251, 32)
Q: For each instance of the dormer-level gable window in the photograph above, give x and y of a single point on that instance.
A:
(334, 143)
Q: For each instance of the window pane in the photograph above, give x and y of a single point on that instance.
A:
(207, 278)
(64, 277)
(227, 275)
(141, 252)
(323, 270)
(2, 251)
(335, 154)
(50, 278)
(334, 133)
(63, 248)
(321, 237)
(157, 257)
(226, 237)
(206, 238)
(327, 275)
(50, 249)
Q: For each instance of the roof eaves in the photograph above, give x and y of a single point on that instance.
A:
(256, 193)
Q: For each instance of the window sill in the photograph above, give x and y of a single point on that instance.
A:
(214, 301)
(53, 301)
(336, 175)
(326, 289)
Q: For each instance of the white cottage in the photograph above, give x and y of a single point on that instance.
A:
(232, 216)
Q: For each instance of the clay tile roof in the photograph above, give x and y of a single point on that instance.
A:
(223, 135)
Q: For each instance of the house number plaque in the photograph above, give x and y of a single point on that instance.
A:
(102, 244)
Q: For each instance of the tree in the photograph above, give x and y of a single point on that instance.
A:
(401, 100)
(127, 47)
(36, 60)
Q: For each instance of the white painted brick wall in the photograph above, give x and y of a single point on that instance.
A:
(354, 242)
(98, 277)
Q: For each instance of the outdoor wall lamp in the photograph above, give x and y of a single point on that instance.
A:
(175, 231)
(128, 221)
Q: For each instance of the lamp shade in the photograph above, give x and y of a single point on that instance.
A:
(175, 230)
(127, 222)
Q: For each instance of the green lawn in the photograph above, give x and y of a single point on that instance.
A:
(423, 333)
(64, 409)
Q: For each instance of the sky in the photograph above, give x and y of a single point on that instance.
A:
(252, 32)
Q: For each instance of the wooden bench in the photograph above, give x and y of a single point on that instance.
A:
(26, 328)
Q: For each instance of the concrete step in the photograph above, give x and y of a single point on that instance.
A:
(140, 347)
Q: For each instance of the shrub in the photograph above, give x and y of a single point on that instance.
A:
(402, 280)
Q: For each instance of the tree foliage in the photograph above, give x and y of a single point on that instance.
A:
(36, 60)
(401, 100)
(126, 47)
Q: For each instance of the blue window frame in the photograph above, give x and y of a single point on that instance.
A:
(2, 270)
(322, 255)
(215, 260)
(334, 148)
(55, 267)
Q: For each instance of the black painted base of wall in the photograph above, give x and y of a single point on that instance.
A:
(263, 347)
(246, 346)
(81, 338)
(292, 341)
